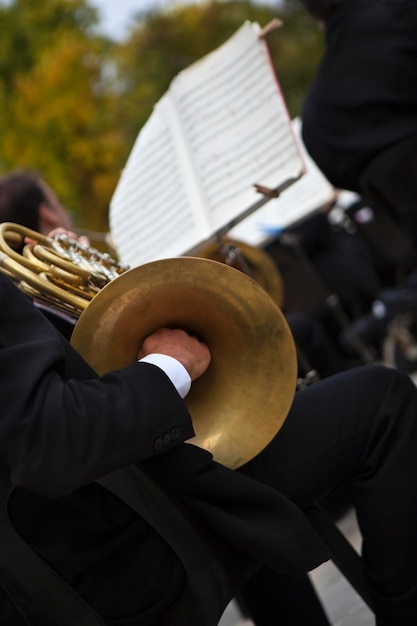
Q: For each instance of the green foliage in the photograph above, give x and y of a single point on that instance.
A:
(56, 114)
(164, 43)
(73, 102)
(28, 28)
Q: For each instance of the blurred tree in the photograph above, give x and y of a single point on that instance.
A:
(56, 108)
(162, 43)
(73, 102)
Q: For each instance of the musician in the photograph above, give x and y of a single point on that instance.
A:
(25, 198)
(62, 427)
(291, 597)
(359, 116)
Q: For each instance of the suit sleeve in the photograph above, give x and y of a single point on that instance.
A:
(62, 426)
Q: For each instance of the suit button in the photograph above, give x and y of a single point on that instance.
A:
(175, 433)
(167, 439)
(159, 442)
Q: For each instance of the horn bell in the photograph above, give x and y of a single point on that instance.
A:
(239, 404)
(261, 265)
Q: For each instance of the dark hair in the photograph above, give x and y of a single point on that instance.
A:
(320, 9)
(20, 197)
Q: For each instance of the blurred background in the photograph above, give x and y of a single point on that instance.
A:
(79, 78)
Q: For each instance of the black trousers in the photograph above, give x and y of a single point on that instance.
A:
(357, 430)
(273, 599)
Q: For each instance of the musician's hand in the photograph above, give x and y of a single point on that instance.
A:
(187, 349)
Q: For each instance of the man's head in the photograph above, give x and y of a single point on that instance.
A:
(27, 200)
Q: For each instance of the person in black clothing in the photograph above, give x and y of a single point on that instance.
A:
(359, 125)
(62, 427)
(26, 198)
(359, 115)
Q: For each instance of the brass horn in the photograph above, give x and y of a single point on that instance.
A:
(242, 400)
(58, 271)
(257, 263)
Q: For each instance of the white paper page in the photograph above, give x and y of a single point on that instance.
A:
(295, 204)
(237, 125)
(155, 210)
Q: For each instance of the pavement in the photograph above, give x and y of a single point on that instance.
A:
(343, 605)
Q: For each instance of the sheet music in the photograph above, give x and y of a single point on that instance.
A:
(221, 128)
(237, 125)
(301, 200)
(154, 208)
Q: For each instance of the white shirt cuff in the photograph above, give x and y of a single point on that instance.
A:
(175, 371)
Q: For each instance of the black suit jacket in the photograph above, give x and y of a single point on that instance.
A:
(363, 97)
(62, 427)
